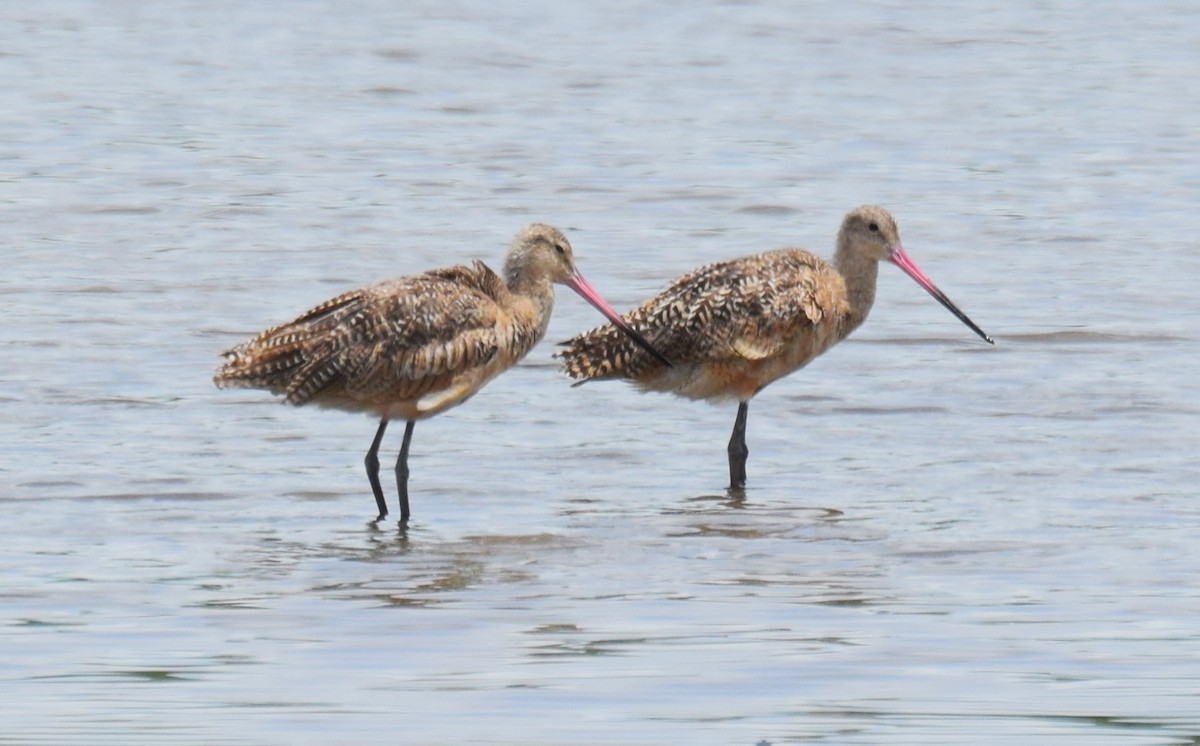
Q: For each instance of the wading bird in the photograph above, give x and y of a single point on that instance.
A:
(412, 347)
(733, 327)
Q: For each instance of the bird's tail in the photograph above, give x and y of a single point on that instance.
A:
(600, 354)
(297, 359)
(269, 361)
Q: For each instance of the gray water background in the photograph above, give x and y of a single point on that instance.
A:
(941, 542)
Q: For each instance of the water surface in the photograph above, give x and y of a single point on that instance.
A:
(942, 542)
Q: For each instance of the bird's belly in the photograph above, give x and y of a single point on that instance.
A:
(382, 407)
(414, 400)
(735, 377)
(714, 381)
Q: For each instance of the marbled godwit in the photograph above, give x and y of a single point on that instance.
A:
(733, 327)
(415, 346)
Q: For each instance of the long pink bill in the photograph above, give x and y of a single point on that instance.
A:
(585, 289)
(901, 259)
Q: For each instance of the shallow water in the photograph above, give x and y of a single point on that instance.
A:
(941, 542)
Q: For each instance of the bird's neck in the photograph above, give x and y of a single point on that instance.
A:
(859, 273)
(528, 285)
(537, 291)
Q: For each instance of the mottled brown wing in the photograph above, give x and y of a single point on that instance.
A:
(742, 308)
(399, 339)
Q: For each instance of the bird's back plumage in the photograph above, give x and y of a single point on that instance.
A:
(729, 327)
(393, 341)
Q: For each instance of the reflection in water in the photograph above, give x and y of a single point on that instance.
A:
(733, 514)
(413, 568)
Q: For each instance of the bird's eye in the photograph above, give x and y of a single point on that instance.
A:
(873, 227)
(560, 249)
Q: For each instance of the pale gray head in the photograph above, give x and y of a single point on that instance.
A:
(870, 231)
(540, 251)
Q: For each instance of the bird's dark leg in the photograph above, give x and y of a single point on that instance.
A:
(372, 462)
(402, 472)
(737, 449)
